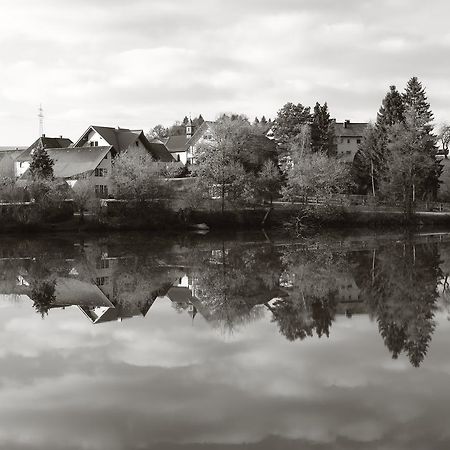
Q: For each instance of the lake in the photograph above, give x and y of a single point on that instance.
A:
(126, 341)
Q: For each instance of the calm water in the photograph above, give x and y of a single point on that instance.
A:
(128, 342)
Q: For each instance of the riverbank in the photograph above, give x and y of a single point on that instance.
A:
(276, 217)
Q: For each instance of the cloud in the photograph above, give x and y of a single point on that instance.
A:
(142, 63)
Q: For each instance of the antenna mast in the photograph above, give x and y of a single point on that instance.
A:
(41, 120)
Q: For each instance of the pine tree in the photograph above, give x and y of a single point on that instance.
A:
(256, 121)
(415, 99)
(420, 116)
(41, 166)
(263, 120)
(392, 110)
(200, 120)
(322, 131)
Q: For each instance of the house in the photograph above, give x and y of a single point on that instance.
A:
(74, 163)
(123, 139)
(348, 136)
(22, 162)
(8, 157)
(177, 144)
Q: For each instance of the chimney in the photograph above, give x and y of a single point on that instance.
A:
(346, 123)
(43, 134)
(60, 136)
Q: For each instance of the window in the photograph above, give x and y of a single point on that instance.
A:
(358, 141)
(99, 172)
(348, 141)
(91, 144)
(348, 152)
(101, 190)
(178, 157)
(103, 264)
(96, 143)
(101, 281)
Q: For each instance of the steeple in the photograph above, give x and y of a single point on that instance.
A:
(189, 128)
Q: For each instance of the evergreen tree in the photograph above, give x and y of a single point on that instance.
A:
(200, 120)
(392, 110)
(263, 120)
(322, 131)
(420, 116)
(415, 100)
(256, 121)
(41, 166)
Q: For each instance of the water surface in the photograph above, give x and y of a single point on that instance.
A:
(248, 342)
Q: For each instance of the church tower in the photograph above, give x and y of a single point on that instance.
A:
(189, 129)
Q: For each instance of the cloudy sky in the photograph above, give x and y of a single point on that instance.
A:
(137, 63)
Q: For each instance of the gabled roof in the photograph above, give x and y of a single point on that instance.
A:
(122, 138)
(73, 161)
(45, 142)
(199, 133)
(177, 143)
(351, 129)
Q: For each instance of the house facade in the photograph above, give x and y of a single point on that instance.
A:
(348, 137)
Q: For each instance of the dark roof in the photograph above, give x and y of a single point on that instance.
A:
(73, 161)
(71, 291)
(45, 142)
(7, 149)
(122, 138)
(351, 130)
(177, 143)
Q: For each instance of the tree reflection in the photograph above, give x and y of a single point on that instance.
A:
(400, 288)
(43, 295)
(311, 279)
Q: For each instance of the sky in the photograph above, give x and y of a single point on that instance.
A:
(143, 62)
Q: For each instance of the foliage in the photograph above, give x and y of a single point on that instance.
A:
(322, 131)
(10, 192)
(289, 124)
(83, 194)
(135, 177)
(41, 165)
(316, 175)
(444, 137)
(158, 132)
(269, 181)
(392, 110)
(369, 164)
(173, 170)
(43, 295)
(411, 169)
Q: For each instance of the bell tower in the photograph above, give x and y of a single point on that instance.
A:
(189, 129)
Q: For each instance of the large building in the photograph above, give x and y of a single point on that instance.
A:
(348, 137)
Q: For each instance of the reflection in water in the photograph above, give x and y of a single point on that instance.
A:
(303, 285)
(224, 344)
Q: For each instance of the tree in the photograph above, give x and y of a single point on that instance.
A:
(41, 166)
(316, 175)
(290, 122)
(369, 162)
(409, 166)
(269, 180)
(444, 137)
(322, 131)
(415, 101)
(136, 178)
(43, 295)
(159, 132)
(83, 194)
(392, 110)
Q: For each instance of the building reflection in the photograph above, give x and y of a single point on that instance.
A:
(302, 289)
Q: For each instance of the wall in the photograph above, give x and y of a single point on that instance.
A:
(347, 147)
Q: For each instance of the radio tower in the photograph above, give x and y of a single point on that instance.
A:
(41, 121)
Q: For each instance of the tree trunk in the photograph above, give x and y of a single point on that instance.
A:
(371, 176)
